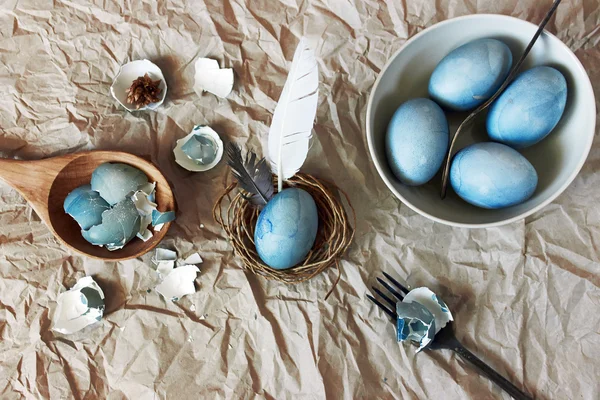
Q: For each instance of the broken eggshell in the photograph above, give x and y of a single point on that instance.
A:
(433, 303)
(191, 164)
(164, 259)
(85, 206)
(178, 283)
(210, 78)
(78, 307)
(416, 323)
(119, 225)
(130, 72)
(114, 181)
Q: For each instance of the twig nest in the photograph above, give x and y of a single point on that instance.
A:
(335, 233)
(199, 151)
(136, 80)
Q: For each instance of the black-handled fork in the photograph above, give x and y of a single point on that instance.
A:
(444, 339)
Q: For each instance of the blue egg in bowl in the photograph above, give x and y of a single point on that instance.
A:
(529, 108)
(417, 141)
(286, 228)
(557, 159)
(470, 74)
(492, 175)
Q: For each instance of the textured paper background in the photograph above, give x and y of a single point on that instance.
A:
(525, 297)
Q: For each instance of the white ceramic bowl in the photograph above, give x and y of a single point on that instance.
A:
(557, 159)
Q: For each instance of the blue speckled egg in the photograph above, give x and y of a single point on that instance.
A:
(286, 228)
(85, 206)
(529, 108)
(492, 175)
(416, 141)
(470, 74)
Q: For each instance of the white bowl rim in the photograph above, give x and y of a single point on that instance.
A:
(587, 86)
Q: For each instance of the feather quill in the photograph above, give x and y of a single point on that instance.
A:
(254, 177)
(294, 115)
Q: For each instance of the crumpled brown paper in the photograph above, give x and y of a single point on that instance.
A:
(525, 296)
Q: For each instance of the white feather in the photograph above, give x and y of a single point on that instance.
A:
(294, 115)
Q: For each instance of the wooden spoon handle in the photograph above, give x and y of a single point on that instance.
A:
(33, 179)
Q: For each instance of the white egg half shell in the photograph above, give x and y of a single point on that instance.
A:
(184, 161)
(78, 307)
(130, 72)
(433, 303)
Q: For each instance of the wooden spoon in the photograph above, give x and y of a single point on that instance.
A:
(46, 183)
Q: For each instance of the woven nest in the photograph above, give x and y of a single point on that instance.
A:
(335, 233)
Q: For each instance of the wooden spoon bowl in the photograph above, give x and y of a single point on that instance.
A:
(46, 183)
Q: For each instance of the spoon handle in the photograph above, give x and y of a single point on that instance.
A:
(507, 81)
(33, 179)
(490, 372)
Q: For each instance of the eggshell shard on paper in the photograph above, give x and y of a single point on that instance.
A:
(436, 306)
(415, 323)
(193, 259)
(78, 307)
(186, 160)
(114, 181)
(130, 72)
(210, 78)
(178, 283)
(164, 259)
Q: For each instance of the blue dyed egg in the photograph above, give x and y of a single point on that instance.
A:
(529, 108)
(85, 206)
(470, 74)
(416, 141)
(492, 175)
(286, 228)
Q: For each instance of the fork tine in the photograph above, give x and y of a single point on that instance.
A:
(384, 308)
(393, 291)
(395, 282)
(387, 299)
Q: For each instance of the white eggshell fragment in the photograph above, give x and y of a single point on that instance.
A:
(186, 162)
(210, 78)
(130, 72)
(78, 307)
(433, 303)
(114, 181)
(178, 283)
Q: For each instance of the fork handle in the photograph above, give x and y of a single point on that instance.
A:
(490, 373)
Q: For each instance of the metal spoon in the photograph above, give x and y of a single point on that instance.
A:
(507, 81)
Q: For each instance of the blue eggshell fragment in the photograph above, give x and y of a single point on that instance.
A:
(119, 225)
(470, 74)
(200, 148)
(286, 228)
(85, 206)
(416, 141)
(159, 217)
(414, 322)
(529, 109)
(114, 181)
(492, 175)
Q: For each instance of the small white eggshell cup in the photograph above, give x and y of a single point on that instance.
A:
(185, 162)
(130, 72)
